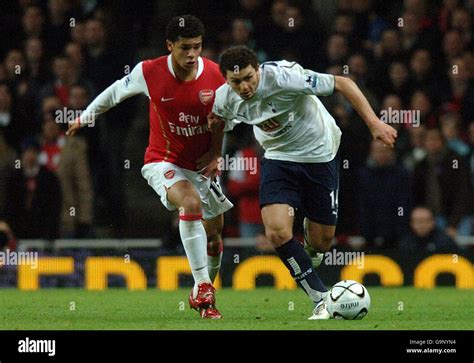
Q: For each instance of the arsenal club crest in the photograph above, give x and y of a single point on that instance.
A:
(206, 95)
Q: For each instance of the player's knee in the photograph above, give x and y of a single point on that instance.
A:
(191, 205)
(278, 236)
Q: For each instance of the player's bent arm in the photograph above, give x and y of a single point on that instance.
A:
(354, 95)
(130, 85)
(220, 118)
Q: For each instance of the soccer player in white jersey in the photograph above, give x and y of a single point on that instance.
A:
(300, 168)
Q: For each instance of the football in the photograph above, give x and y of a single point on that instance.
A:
(348, 300)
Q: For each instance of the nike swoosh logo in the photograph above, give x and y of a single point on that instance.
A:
(166, 99)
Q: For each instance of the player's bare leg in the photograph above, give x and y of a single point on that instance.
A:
(278, 220)
(318, 238)
(215, 246)
(193, 235)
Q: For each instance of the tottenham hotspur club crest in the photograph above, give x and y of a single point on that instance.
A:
(206, 95)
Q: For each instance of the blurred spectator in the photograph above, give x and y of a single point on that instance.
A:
(241, 34)
(258, 14)
(445, 12)
(416, 31)
(422, 103)
(251, 9)
(243, 187)
(344, 24)
(36, 59)
(337, 50)
(423, 76)
(57, 33)
(441, 182)
(51, 110)
(376, 26)
(383, 197)
(297, 33)
(14, 126)
(7, 238)
(358, 69)
(417, 151)
(398, 81)
(104, 64)
(419, 7)
(459, 92)
(450, 123)
(67, 157)
(65, 75)
(452, 45)
(78, 33)
(75, 54)
(424, 235)
(15, 71)
(392, 104)
(461, 21)
(33, 22)
(389, 49)
(7, 165)
(359, 72)
(33, 198)
(38, 73)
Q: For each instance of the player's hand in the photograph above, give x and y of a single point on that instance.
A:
(74, 127)
(214, 122)
(208, 164)
(383, 132)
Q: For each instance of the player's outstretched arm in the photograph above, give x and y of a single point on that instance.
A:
(130, 85)
(380, 130)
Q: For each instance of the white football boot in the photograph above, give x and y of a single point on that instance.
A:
(320, 311)
(316, 257)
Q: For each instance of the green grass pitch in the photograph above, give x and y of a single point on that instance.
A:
(261, 309)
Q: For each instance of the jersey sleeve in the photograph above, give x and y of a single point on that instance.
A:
(293, 77)
(219, 109)
(130, 85)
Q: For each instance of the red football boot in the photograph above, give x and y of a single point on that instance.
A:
(210, 313)
(205, 296)
(205, 301)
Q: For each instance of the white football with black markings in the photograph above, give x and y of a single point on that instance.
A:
(348, 300)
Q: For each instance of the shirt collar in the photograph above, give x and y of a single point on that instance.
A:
(199, 71)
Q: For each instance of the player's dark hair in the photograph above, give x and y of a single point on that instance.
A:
(238, 57)
(184, 26)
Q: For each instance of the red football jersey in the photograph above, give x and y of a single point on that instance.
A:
(178, 112)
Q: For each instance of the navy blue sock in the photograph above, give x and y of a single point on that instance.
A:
(299, 263)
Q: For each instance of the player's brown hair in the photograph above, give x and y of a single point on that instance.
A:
(237, 57)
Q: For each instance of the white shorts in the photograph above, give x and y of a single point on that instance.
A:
(162, 175)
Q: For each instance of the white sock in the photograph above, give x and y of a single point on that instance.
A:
(214, 265)
(194, 239)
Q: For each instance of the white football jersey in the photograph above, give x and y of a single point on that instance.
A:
(288, 120)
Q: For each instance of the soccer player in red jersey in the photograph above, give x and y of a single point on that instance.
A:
(182, 156)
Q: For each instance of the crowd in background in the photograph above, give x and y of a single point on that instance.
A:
(412, 59)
